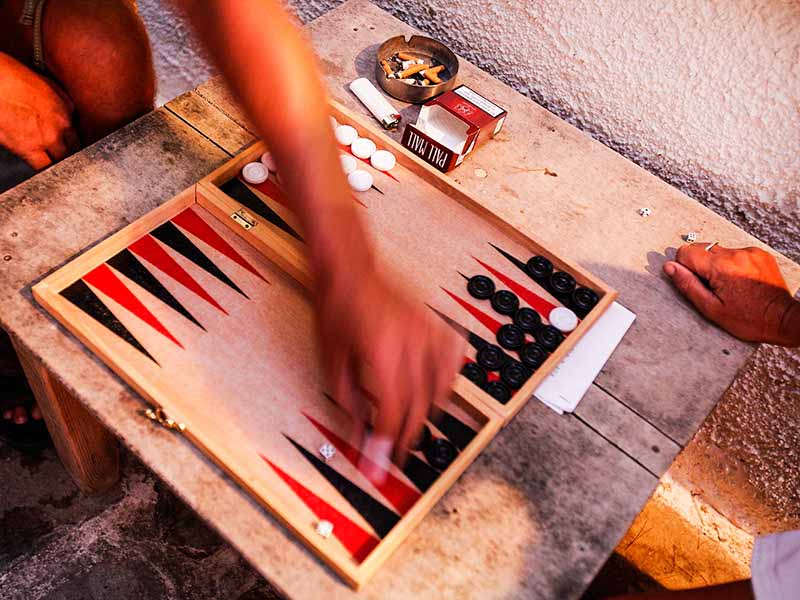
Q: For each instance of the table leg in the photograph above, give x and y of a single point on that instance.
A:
(87, 449)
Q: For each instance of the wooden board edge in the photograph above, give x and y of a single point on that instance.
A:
(277, 247)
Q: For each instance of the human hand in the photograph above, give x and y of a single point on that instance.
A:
(375, 338)
(35, 115)
(741, 290)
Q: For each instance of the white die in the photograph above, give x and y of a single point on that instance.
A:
(644, 211)
(325, 529)
(690, 237)
(327, 451)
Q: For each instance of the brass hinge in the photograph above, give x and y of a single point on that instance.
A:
(243, 218)
(159, 416)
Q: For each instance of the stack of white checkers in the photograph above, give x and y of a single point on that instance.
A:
(364, 148)
(359, 179)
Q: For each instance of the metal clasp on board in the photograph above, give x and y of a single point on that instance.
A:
(159, 416)
(244, 219)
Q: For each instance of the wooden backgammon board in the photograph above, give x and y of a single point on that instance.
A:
(201, 306)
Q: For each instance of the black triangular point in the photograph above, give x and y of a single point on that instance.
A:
(82, 296)
(457, 432)
(381, 518)
(173, 237)
(127, 264)
(513, 259)
(242, 194)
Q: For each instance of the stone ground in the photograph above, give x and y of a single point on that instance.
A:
(137, 541)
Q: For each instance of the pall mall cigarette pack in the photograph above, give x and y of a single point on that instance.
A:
(451, 126)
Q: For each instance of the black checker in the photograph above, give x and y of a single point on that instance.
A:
(583, 301)
(440, 453)
(514, 374)
(539, 268)
(527, 319)
(491, 357)
(533, 355)
(549, 337)
(475, 373)
(480, 287)
(562, 283)
(499, 391)
(510, 337)
(505, 302)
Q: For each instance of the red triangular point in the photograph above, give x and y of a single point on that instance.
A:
(105, 280)
(536, 302)
(399, 495)
(150, 250)
(356, 539)
(270, 189)
(489, 322)
(191, 222)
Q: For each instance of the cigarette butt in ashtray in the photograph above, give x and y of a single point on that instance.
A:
(387, 68)
(412, 70)
(375, 102)
(433, 73)
(406, 56)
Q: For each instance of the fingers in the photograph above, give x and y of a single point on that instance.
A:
(421, 396)
(693, 288)
(37, 159)
(696, 258)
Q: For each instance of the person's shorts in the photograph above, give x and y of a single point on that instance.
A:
(32, 17)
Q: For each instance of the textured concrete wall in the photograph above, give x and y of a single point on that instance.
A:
(703, 93)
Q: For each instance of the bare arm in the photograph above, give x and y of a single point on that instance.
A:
(364, 323)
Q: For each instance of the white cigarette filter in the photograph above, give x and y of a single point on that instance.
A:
(375, 102)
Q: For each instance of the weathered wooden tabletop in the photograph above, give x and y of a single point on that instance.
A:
(543, 507)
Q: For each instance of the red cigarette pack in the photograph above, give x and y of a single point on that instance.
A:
(451, 126)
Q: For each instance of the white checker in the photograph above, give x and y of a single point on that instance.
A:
(268, 161)
(349, 163)
(255, 173)
(383, 160)
(325, 529)
(360, 180)
(363, 148)
(563, 319)
(346, 135)
(327, 451)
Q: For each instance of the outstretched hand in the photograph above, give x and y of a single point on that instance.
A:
(375, 338)
(741, 290)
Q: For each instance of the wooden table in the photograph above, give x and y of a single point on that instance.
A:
(544, 506)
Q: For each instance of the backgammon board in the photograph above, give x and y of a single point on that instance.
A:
(202, 306)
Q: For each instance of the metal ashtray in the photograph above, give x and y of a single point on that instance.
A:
(432, 52)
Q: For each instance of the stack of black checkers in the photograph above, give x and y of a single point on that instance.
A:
(438, 451)
(511, 337)
(562, 285)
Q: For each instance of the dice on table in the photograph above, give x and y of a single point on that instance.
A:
(327, 451)
(690, 237)
(325, 528)
(644, 211)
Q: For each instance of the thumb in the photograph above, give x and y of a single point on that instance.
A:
(693, 288)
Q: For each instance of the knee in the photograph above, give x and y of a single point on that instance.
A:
(100, 53)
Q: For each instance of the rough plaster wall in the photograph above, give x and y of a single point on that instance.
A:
(703, 93)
